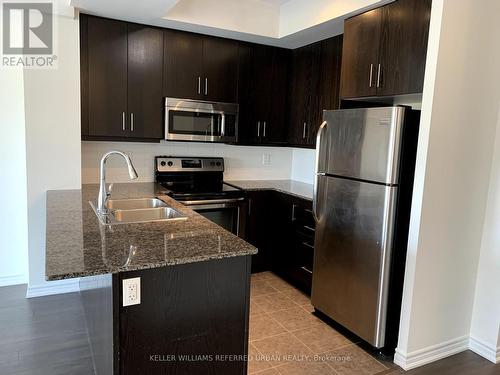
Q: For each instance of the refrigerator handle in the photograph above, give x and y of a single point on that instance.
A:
(316, 171)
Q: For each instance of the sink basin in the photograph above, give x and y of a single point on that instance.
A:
(146, 214)
(134, 204)
(140, 210)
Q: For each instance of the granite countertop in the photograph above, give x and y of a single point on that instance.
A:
(78, 245)
(296, 188)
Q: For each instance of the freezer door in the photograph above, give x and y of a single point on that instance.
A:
(352, 254)
(362, 143)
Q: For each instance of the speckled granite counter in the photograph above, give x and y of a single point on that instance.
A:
(78, 245)
(296, 188)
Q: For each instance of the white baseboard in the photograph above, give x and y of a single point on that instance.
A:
(53, 287)
(430, 354)
(490, 352)
(13, 280)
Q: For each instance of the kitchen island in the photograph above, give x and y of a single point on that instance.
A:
(194, 285)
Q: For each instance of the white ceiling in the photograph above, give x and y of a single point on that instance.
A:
(285, 23)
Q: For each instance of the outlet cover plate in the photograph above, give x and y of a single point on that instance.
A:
(131, 291)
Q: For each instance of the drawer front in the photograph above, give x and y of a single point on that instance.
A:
(302, 214)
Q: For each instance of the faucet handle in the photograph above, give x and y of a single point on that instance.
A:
(110, 188)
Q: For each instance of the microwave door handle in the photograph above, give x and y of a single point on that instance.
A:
(317, 174)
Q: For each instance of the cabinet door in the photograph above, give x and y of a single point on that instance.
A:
(183, 76)
(257, 228)
(275, 92)
(300, 105)
(262, 75)
(328, 86)
(220, 66)
(263, 84)
(360, 55)
(107, 77)
(247, 118)
(403, 46)
(145, 65)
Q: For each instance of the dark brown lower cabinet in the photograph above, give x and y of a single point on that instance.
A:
(293, 245)
(192, 318)
(257, 228)
(282, 228)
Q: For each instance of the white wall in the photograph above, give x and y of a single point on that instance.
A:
(485, 328)
(459, 114)
(13, 218)
(297, 15)
(250, 16)
(52, 102)
(241, 162)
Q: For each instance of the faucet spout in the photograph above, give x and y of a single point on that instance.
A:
(103, 193)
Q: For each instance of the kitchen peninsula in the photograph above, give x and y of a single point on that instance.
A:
(194, 285)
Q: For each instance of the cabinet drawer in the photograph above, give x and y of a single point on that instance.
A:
(302, 215)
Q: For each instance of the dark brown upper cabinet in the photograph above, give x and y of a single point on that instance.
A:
(304, 82)
(145, 66)
(403, 46)
(327, 94)
(120, 91)
(385, 50)
(360, 54)
(314, 88)
(200, 67)
(263, 82)
(183, 68)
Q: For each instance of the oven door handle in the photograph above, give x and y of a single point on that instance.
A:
(211, 201)
(223, 125)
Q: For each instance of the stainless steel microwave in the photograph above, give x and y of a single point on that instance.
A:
(200, 121)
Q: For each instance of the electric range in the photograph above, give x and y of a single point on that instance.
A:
(198, 182)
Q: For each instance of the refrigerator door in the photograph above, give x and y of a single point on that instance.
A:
(352, 254)
(362, 143)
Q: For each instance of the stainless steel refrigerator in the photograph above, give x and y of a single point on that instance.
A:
(364, 176)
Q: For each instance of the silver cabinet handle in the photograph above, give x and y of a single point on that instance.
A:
(316, 170)
(123, 121)
(264, 132)
(307, 270)
(371, 75)
(199, 85)
(304, 131)
(258, 129)
(132, 121)
(379, 72)
(308, 245)
(206, 86)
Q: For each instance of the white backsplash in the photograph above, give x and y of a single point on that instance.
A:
(242, 162)
(303, 165)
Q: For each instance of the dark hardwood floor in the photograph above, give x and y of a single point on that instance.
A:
(47, 336)
(42, 336)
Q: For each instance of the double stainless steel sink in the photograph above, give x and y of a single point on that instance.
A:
(139, 210)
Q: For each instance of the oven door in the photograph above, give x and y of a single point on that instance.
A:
(227, 213)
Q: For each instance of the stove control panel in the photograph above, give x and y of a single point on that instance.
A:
(188, 164)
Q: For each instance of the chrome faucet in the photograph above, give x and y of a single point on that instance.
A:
(105, 193)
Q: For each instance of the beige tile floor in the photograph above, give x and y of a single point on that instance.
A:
(285, 338)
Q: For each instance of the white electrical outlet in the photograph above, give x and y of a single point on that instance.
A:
(132, 291)
(266, 159)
